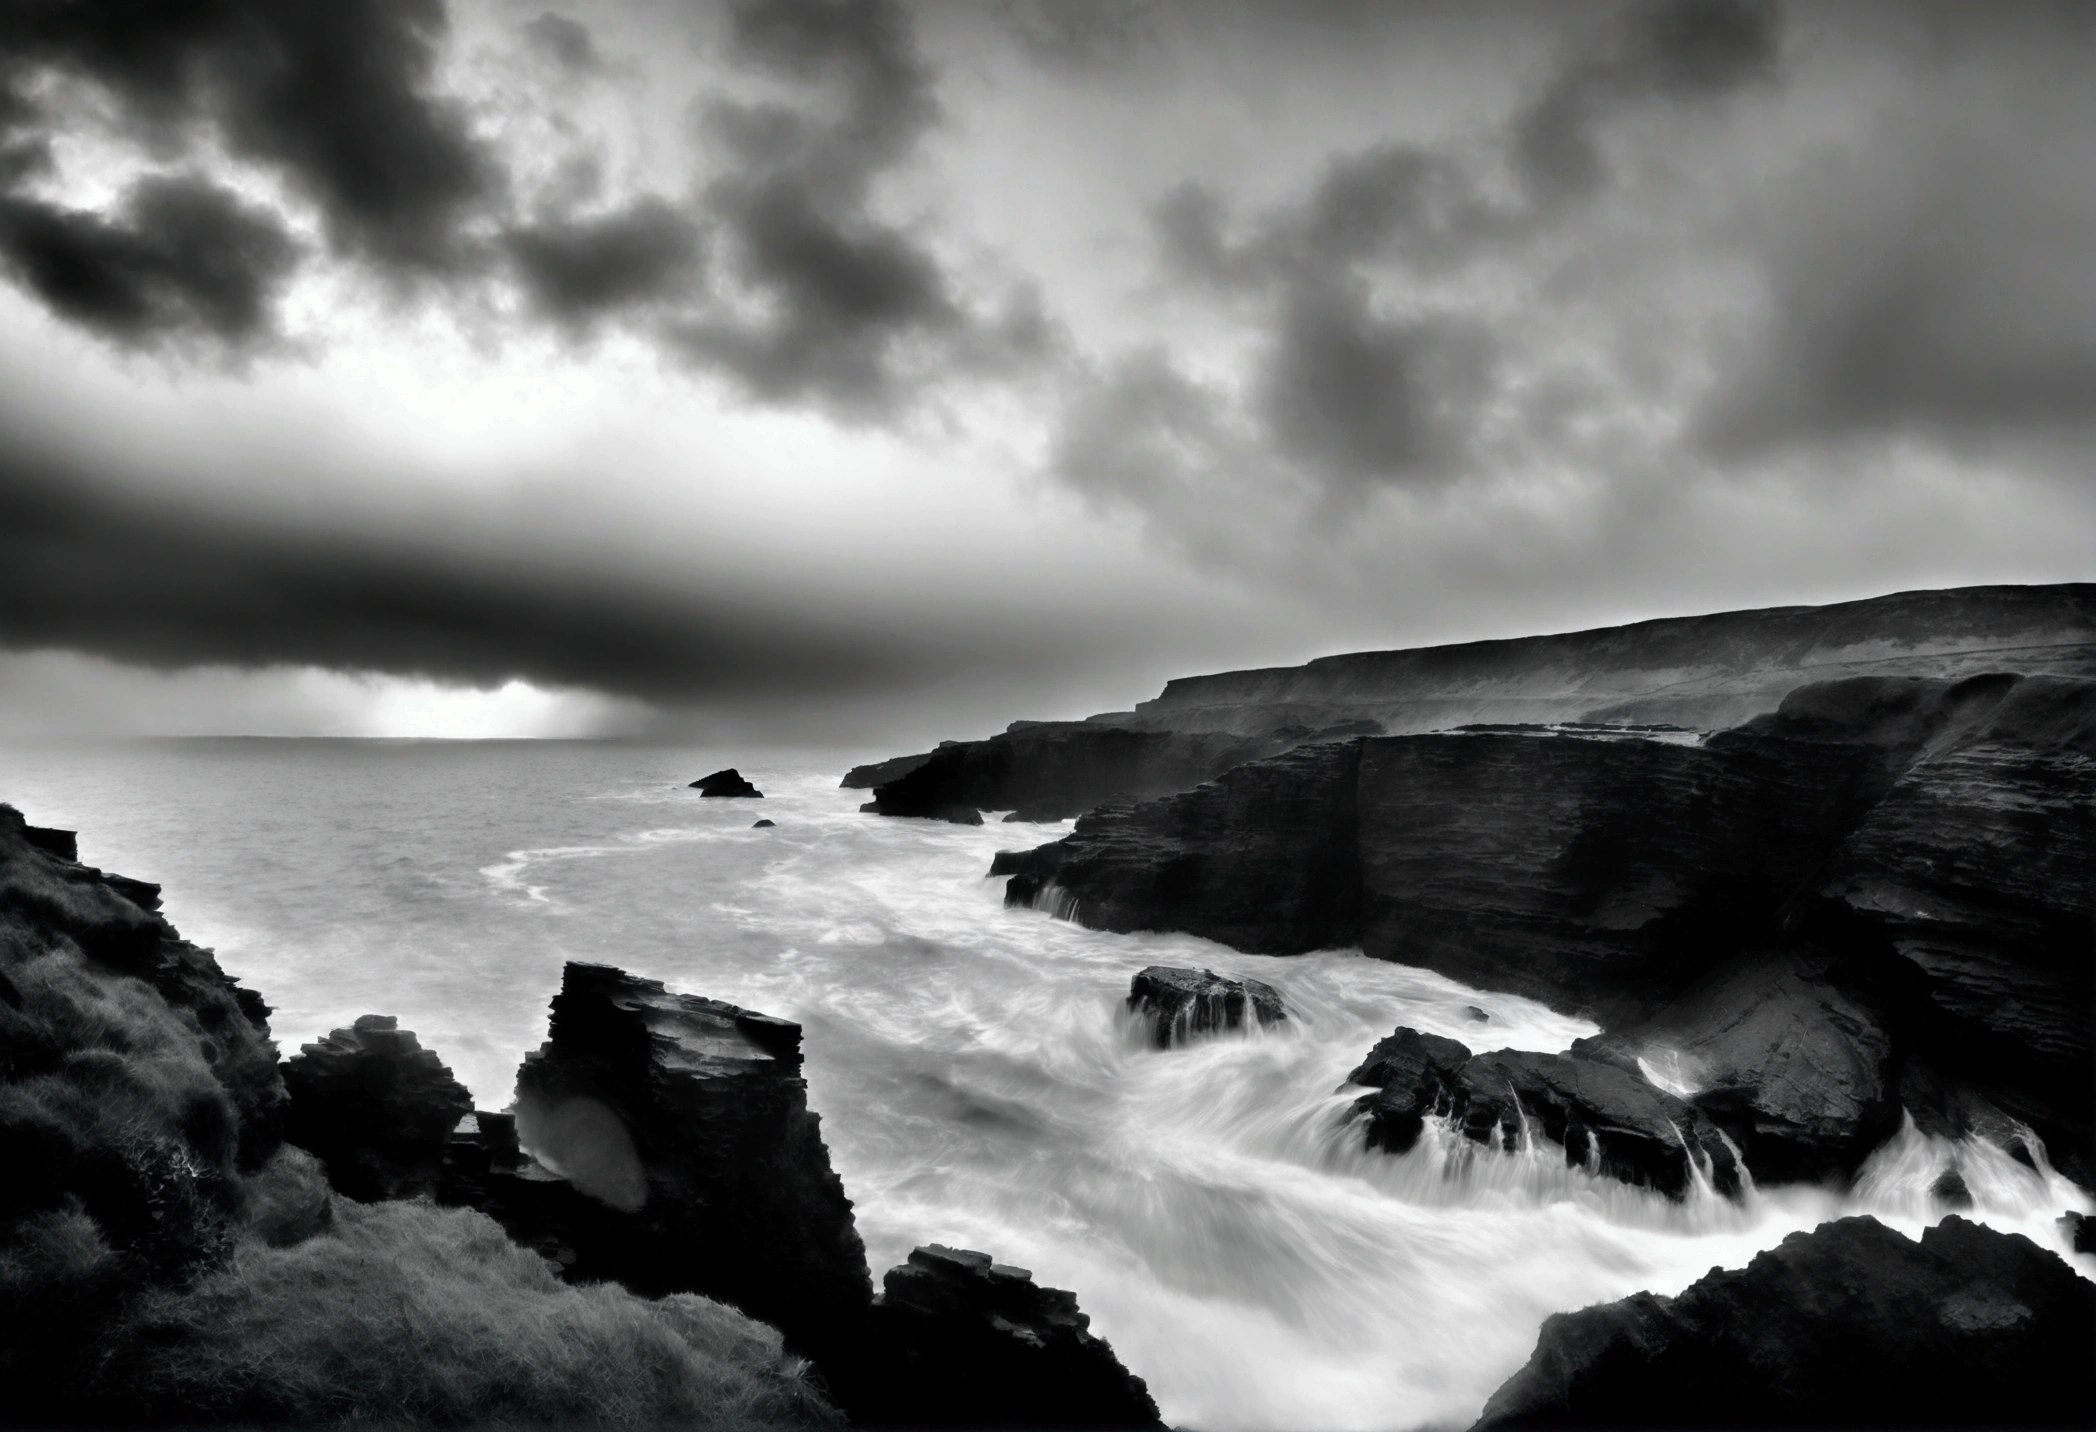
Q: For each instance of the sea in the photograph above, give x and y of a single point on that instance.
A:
(979, 1081)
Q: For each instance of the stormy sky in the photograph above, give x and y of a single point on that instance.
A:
(837, 370)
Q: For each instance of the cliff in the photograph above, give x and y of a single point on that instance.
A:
(1851, 1325)
(1704, 671)
(1880, 894)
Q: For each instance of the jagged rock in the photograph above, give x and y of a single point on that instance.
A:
(374, 1107)
(725, 783)
(64, 844)
(957, 1340)
(1045, 771)
(1851, 1325)
(1604, 1117)
(673, 1150)
(764, 825)
(1262, 858)
(1177, 1004)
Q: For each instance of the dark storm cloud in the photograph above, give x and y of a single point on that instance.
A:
(184, 259)
(576, 270)
(1679, 50)
(151, 580)
(1363, 398)
(1357, 393)
(566, 41)
(333, 94)
(837, 297)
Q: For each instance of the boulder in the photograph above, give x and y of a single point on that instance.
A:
(1606, 1119)
(374, 1107)
(1850, 1325)
(725, 783)
(763, 825)
(1177, 1004)
(961, 1341)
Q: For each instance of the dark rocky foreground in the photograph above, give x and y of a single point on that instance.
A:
(1881, 895)
(165, 1257)
(1851, 1325)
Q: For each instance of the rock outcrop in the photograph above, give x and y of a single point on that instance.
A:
(879, 773)
(1176, 1005)
(1851, 1325)
(957, 1340)
(674, 1151)
(725, 783)
(375, 1108)
(1047, 771)
(1263, 858)
(1605, 1118)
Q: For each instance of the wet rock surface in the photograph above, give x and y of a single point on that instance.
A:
(374, 1107)
(958, 1340)
(1851, 1325)
(1177, 1005)
(1605, 1118)
(726, 783)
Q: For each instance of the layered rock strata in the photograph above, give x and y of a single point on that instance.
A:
(1176, 1005)
(1851, 1325)
(375, 1107)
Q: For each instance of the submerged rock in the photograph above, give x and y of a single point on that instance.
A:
(725, 783)
(1605, 1118)
(957, 1340)
(1177, 1004)
(374, 1107)
(1851, 1325)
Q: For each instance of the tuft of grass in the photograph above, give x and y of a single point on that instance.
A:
(404, 1312)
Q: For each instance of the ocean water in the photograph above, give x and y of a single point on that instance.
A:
(978, 1083)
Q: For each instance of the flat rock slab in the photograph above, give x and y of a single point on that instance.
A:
(725, 783)
(1178, 1004)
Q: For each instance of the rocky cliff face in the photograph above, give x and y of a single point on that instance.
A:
(138, 1085)
(1851, 1325)
(1879, 894)
(1264, 858)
